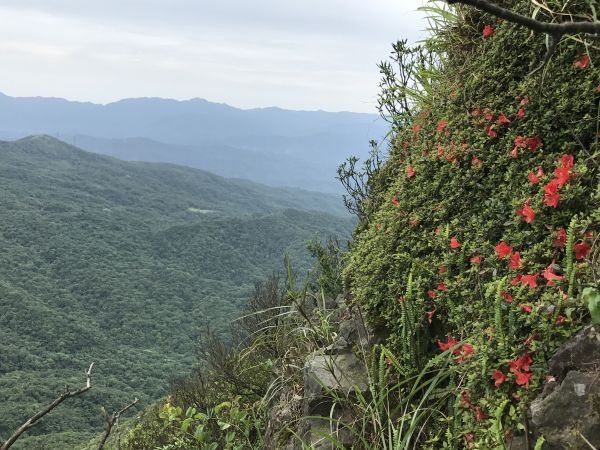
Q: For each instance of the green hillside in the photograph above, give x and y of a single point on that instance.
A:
(124, 264)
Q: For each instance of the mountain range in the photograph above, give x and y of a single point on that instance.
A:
(272, 146)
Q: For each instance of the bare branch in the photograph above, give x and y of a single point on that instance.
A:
(113, 420)
(33, 419)
(554, 29)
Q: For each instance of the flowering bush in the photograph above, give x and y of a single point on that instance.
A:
(480, 230)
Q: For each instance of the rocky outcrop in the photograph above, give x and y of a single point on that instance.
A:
(335, 372)
(567, 413)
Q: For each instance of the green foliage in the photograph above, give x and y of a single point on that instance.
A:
(468, 185)
(124, 264)
(238, 427)
(395, 409)
(329, 266)
(591, 298)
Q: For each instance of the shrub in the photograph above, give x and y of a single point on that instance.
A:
(482, 221)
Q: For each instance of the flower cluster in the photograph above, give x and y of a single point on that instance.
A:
(519, 367)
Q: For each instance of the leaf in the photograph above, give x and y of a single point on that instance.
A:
(185, 425)
(224, 425)
(591, 297)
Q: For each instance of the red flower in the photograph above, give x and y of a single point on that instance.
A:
(424, 114)
(526, 308)
(488, 31)
(533, 178)
(523, 378)
(488, 114)
(429, 315)
(526, 211)
(581, 250)
(562, 175)
(506, 296)
(442, 287)
(432, 294)
(502, 119)
(475, 161)
(521, 363)
(560, 320)
(598, 88)
(548, 274)
(561, 238)
(551, 196)
(441, 125)
(395, 200)
(467, 349)
(489, 130)
(454, 243)
(499, 377)
(521, 113)
(464, 352)
(503, 249)
(583, 62)
(417, 128)
(567, 161)
(534, 143)
(530, 280)
(447, 345)
(476, 259)
(519, 143)
(479, 414)
(515, 261)
(516, 280)
(410, 172)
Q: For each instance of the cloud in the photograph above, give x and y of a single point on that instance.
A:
(315, 54)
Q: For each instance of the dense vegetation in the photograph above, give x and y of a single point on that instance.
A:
(480, 231)
(477, 241)
(124, 264)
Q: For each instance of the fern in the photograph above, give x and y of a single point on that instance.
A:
(498, 312)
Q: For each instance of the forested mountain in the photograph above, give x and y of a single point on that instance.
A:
(123, 264)
(269, 145)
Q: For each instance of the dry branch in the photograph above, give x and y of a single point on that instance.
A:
(113, 420)
(553, 29)
(33, 419)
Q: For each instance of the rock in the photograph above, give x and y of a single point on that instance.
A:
(324, 374)
(582, 352)
(568, 411)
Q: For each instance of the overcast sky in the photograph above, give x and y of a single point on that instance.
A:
(308, 54)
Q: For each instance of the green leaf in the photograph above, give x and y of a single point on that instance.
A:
(591, 297)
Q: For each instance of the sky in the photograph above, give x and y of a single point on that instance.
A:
(309, 54)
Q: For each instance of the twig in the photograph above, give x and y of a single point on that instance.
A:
(553, 29)
(554, 41)
(113, 420)
(33, 419)
(586, 441)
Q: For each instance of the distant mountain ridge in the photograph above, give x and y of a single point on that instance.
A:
(276, 146)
